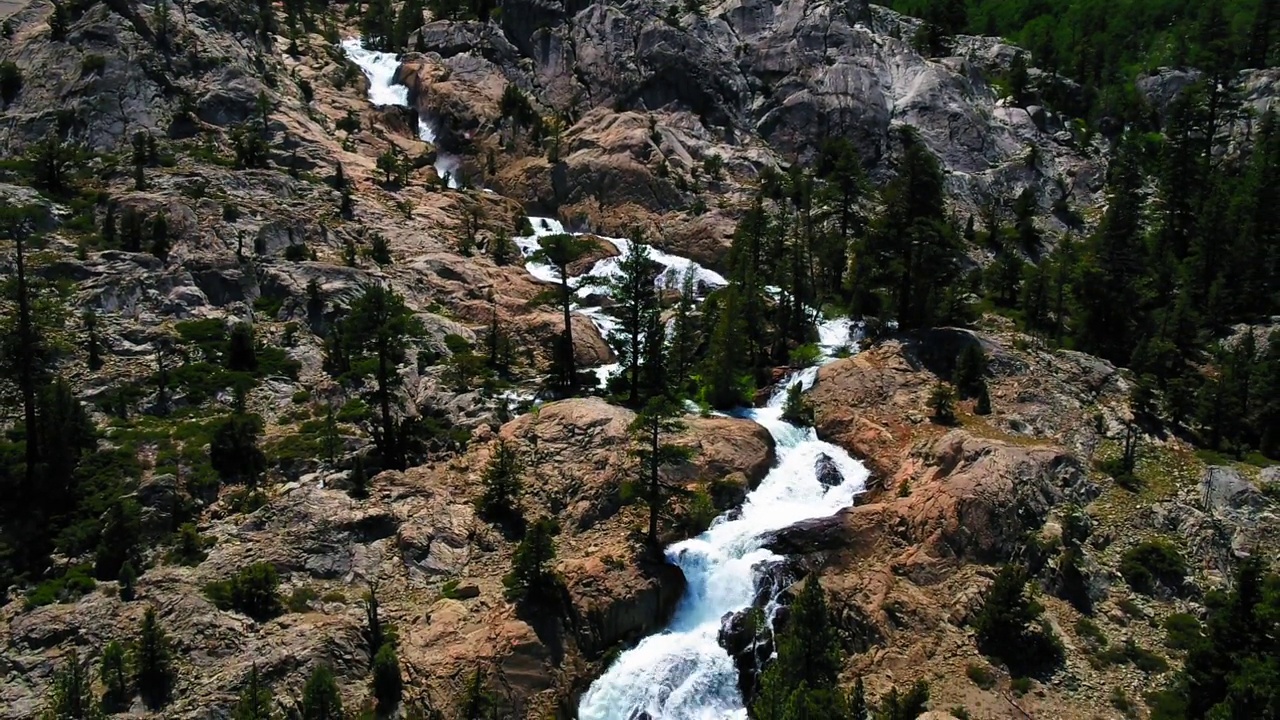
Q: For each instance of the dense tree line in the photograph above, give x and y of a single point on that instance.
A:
(1102, 46)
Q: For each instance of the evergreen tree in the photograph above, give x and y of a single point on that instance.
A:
(912, 250)
(1010, 626)
(234, 453)
(377, 329)
(636, 299)
(857, 703)
(127, 578)
(388, 685)
(241, 353)
(559, 251)
(532, 576)
(500, 500)
(478, 703)
(153, 673)
(682, 352)
(971, 366)
(93, 344)
(114, 676)
(801, 683)
(359, 479)
(255, 699)
(942, 404)
(118, 540)
(726, 374)
(659, 419)
(71, 695)
(321, 699)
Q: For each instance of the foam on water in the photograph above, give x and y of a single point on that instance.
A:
(380, 68)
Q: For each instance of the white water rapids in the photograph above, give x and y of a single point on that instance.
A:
(682, 673)
(380, 68)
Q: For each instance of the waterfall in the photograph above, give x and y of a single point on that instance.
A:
(380, 68)
(682, 673)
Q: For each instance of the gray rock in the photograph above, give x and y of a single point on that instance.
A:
(1224, 489)
(827, 471)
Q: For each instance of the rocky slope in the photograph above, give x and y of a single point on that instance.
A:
(646, 99)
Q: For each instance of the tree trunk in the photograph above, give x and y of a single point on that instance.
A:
(27, 351)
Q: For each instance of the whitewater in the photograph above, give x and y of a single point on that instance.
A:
(380, 68)
(682, 673)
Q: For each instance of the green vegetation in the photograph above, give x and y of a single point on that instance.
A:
(1153, 564)
(1234, 671)
(531, 576)
(152, 661)
(658, 421)
(500, 500)
(256, 702)
(71, 695)
(802, 681)
(253, 591)
(1182, 631)
(321, 699)
(981, 675)
(1011, 626)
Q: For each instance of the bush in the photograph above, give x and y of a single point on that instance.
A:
(531, 574)
(1182, 631)
(981, 675)
(300, 599)
(1020, 686)
(1153, 564)
(1121, 702)
(189, 549)
(1089, 631)
(72, 585)
(253, 591)
(92, 64)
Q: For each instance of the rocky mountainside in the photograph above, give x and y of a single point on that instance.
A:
(195, 165)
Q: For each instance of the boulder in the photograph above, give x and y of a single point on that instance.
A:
(1224, 489)
(827, 472)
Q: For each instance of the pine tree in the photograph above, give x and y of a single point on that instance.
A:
(478, 703)
(234, 453)
(559, 251)
(118, 540)
(683, 349)
(636, 301)
(857, 703)
(1010, 625)
(359, 479)
(71, 695)
(971, 365)
(160, 236)
(942, 404)
(255, 699)
(500, 500)
(800, 684)
(378, 327)
(93, 344)
(659, 419)
(127, 578)
(241, 354)
(153, 673)
(726, 374)
(321, 699)
(532, 576)
(113, 674)
(388, 686)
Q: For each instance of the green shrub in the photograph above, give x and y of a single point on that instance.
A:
(334, 596)
(189, 548)
(1011, 626)
(1089, 631)
(1182, 631)
(10, 81)
(253, 591)
(981, 675)
(92, 64)
(300, 599)
(1122, 703)
(1153, 564)
(72, 585)
(1020, 686)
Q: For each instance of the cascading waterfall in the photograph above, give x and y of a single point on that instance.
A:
(682, 673)
(380, 68)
